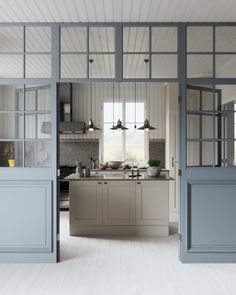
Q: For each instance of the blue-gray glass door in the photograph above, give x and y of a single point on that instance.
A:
(208, 182)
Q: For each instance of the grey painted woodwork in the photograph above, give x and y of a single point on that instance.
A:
(25, 216)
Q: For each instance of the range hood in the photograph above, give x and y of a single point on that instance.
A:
(72, 127)
(67, 125)
(76, 127)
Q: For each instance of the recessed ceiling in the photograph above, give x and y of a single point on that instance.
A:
(118, 11)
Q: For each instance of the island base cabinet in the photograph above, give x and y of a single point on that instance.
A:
(85, 204)
(152, 203)
(119, 208)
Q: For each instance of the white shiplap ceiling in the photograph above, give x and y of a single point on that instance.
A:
(118, 11)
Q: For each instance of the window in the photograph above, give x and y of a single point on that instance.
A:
(129, 144)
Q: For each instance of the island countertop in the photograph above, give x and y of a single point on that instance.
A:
(119, 176)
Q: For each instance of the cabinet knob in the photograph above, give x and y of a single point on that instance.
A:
(99, 182)
(138, 182)
(105, 182)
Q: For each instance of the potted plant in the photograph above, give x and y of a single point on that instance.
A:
(154, 168)
(9, 151)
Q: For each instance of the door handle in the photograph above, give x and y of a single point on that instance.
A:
(173, 162)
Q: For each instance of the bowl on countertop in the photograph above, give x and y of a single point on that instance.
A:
(115, 164)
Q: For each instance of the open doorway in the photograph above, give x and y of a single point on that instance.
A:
(132, 103)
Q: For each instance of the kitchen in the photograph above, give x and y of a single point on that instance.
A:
(96, 149)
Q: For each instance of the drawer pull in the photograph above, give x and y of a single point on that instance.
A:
(138, 182)
(105, 182)
(99, 182)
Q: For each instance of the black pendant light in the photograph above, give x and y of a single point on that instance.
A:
(146, 125)
(119, 125)
(91, 126)
(113, 91)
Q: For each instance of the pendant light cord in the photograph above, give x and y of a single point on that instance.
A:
(113, 90)
(91, 92)
(135, 100)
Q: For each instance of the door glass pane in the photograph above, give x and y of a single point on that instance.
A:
(101, 39)
(38, 66)
(199, 66)
(11, 39)
(225, 66)
(103, 66)
(73, 66)
(73, 39)
(226, 39)
(44, 99)
(11, 98)
(164, 39)
(11, 66)
(193, 126)
(199, 39)
(38, 154)
(193, 99)
(193, 151)
(11, 125)
(17, 153)
(207, 99)
(136, 39)
(207, 127)
(164, 66)
(134, 66)
(38, 39)
(207, 153)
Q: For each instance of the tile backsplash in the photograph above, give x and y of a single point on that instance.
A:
(70, 152)
(157, 151)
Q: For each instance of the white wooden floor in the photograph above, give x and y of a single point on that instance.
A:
(121, 266)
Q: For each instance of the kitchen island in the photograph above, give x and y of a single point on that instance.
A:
(112, 203)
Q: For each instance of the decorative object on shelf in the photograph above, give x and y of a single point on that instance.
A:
(91, 126)
(146, 126)
(113, 99)
(154, 168)
(9, 151)
(119, 125)
(103, 166)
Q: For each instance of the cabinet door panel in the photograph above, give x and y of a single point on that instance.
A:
(119, 203)
(85, 202)
(152, 199)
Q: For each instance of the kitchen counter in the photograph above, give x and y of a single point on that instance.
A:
(119, 176)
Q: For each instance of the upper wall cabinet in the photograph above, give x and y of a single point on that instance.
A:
(80, 44)
(157, 44)
(25, 52)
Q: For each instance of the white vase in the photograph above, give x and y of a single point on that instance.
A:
(153, 171)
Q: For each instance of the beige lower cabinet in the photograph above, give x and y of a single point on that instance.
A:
(152, 203)
(118, 203)
(119, 207)
(85, 203)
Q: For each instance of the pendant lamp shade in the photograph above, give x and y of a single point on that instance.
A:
(91, 126)
(146, 125)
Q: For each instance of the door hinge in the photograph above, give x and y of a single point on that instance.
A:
(179, 98)
(179, 172)
(179, 237)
